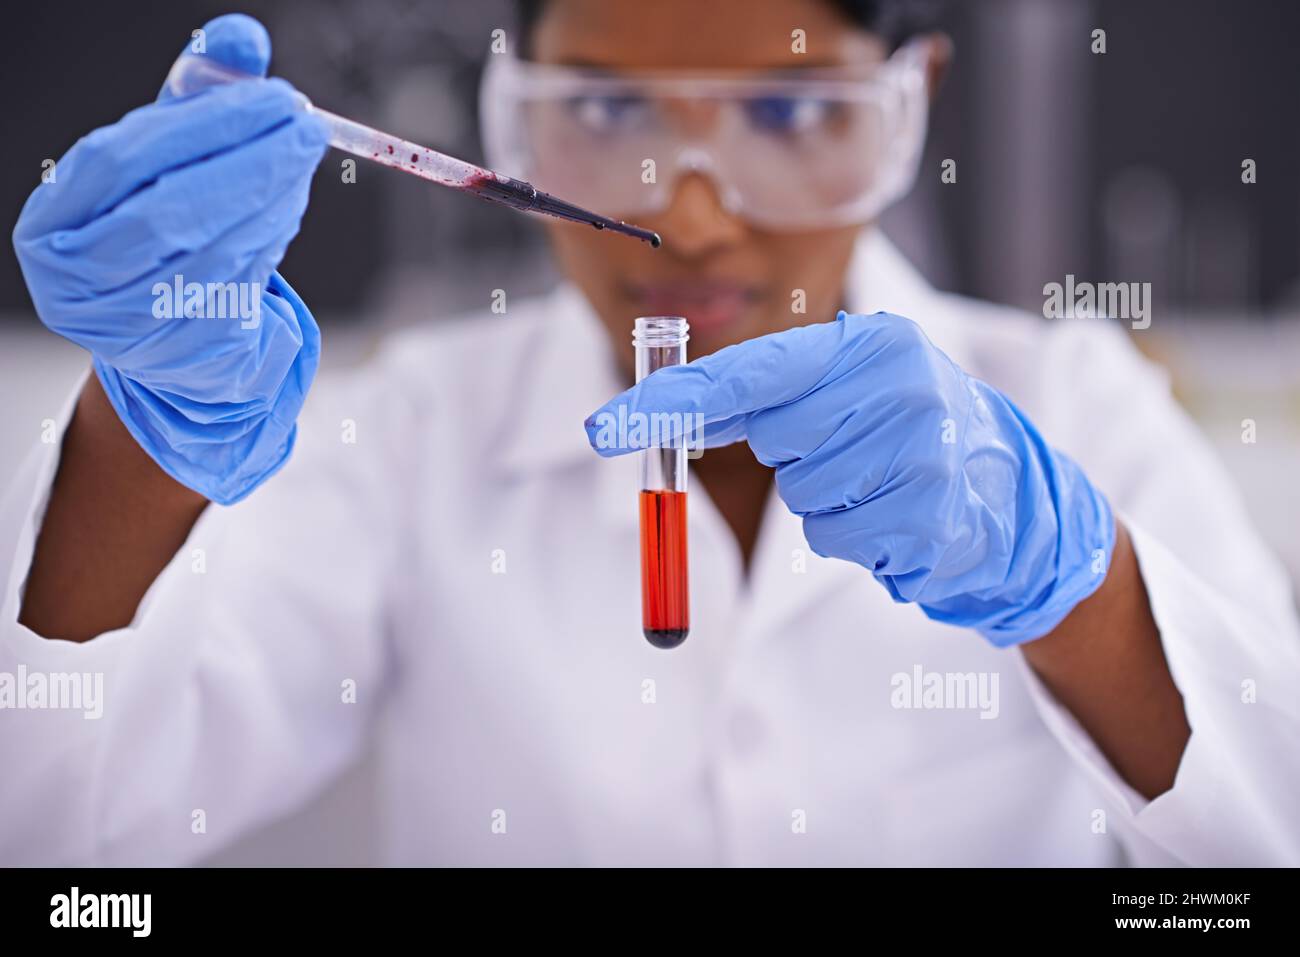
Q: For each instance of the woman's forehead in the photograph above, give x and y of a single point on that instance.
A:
(690, 34)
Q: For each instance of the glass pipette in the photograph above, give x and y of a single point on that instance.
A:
(193, 72)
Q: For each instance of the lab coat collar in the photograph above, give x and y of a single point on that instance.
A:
(571, 374)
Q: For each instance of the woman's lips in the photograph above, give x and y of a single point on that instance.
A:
(707, 305)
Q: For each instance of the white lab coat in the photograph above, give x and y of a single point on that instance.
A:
(472, 567)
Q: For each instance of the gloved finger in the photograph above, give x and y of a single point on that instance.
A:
(235, 40)
(221, 357)
(895, 422)
(887, 376)
(232, 343)
(731, 383)
(143, 334)
(889, 419)
(975, 552)
(859, 463)
(727, 432)
(866, 535)
(252, 362)
(111, 163)
(192, 207)
(218, 443)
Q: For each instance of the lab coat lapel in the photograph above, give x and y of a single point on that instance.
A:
(570, 375)
(786, 578)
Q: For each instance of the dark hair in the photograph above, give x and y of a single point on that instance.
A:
(896, 21)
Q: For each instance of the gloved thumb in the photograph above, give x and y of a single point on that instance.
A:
(235, 40)
(723, 389)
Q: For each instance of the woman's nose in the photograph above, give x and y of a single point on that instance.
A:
(696, 222)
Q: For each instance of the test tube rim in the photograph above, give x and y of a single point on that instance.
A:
(647, 331)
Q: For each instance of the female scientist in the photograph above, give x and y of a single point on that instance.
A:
(1080, 653)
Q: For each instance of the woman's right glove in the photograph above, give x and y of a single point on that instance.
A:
(900, 461)
(154, 247)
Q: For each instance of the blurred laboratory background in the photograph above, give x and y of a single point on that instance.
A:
(1117, 167)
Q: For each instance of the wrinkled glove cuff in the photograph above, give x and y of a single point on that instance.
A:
(1063, 540)
(1085, 544)
(223, 452)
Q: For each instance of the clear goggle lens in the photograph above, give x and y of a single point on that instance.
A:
(800, 149)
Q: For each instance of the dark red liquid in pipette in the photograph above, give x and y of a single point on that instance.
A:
(528, 198)
(665, 603)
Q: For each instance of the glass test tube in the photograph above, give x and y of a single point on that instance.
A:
(660, 341)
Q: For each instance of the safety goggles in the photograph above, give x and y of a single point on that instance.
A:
(798, 149)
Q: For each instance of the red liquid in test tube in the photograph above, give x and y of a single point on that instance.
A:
(665, 601)
(660, 341)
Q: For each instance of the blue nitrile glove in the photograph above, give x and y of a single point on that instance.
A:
(209, 188)
(898, 460)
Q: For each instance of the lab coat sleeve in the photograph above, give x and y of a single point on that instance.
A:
(1222, 603)
(228, 700)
